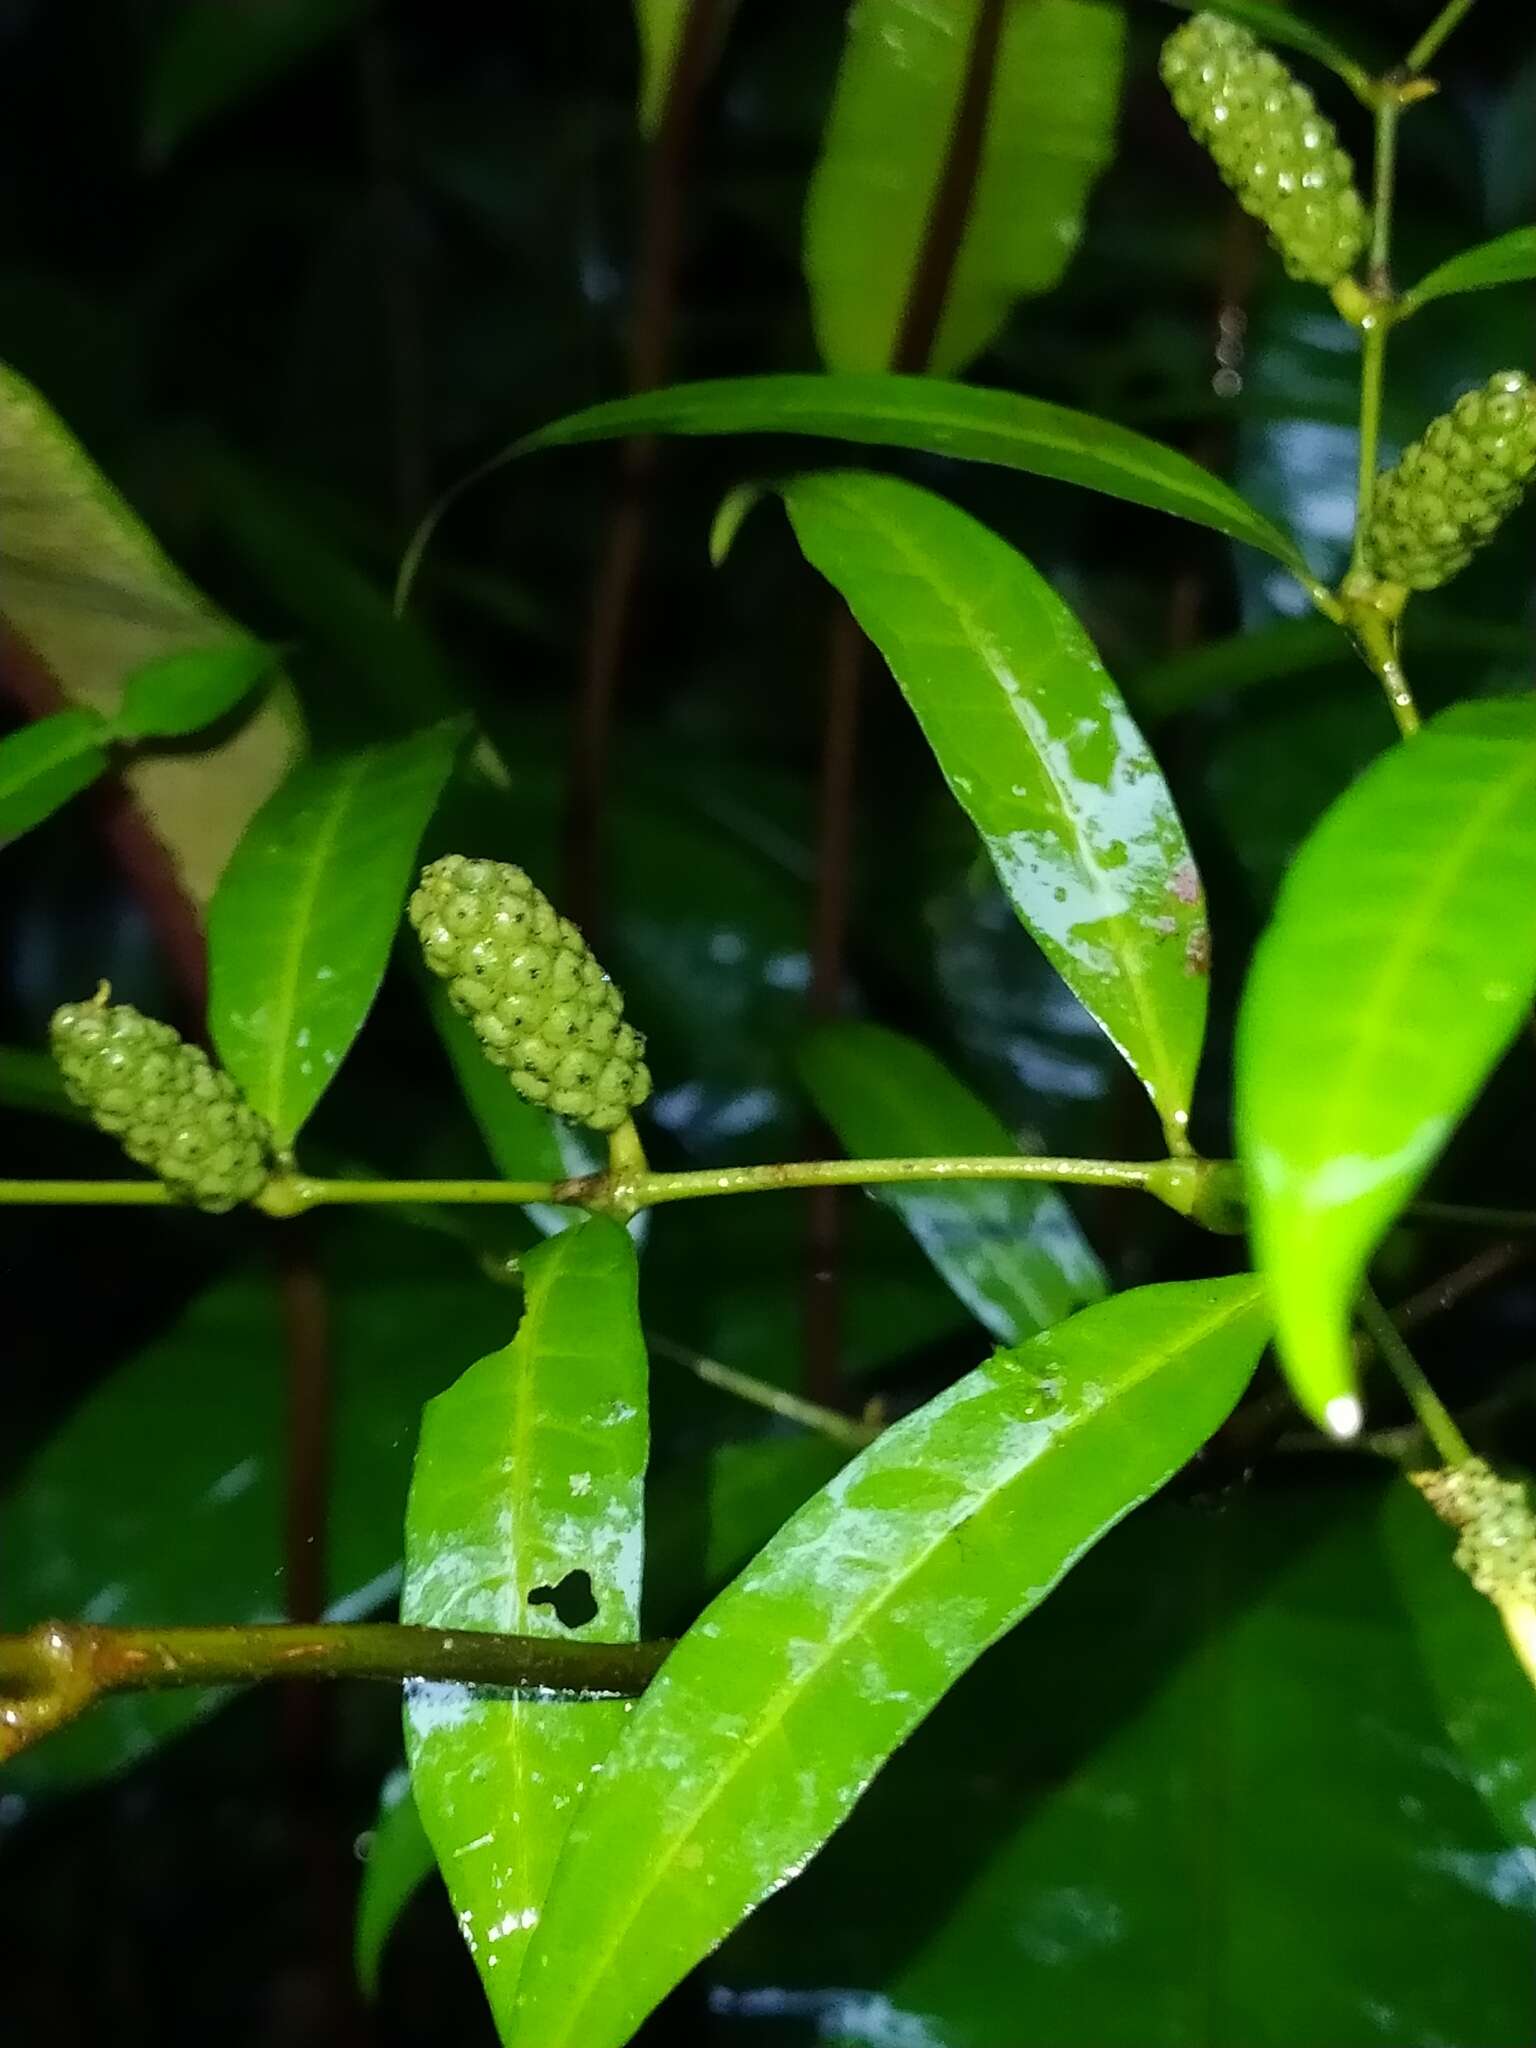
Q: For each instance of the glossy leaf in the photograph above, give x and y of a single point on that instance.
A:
(1204, 1797)
(1040, 752)
(83, 1535)
(44, 764)
(529, 1478)
(1487, 1701)
(781, 1703)
(1400, 963)
(1011, 1250)
(1288, 30)
(301, 928)
(180, 693)
(214, 56)
(934, 417)
(1507, 259)
(398, 1862)
(90, 592)
(1055, 88)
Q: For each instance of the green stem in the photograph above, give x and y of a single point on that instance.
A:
(1433, 1415)
(1376, 636)
(649, 1189)
(840, 1429)
(1373, 362)
(96, 1194)
(1389, 108)
(1472, 1215)
(1449, 17)
(293, 1194)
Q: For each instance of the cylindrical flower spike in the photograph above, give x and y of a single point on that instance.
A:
(170, 1108)
(536, 999)
(1277, 152)
(1455, 486)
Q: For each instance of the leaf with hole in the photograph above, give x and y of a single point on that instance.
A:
(1011, 1250)
(301, 927)
(1054, 93)
(1040, 752)
(526, 1516)
(1399, 965)
(1507, 259)
(782, 1702)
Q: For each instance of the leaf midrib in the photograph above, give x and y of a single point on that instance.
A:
(789, 1695)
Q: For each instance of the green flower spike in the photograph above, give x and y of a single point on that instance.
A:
(1455, 486)
(173, 1111)
(1271, 145)
(536, 999)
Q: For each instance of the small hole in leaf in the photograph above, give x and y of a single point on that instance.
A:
(572, 1600)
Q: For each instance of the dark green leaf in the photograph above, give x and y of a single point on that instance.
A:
(180, 693)
(1400, 962)
(399, 1860)
(1507, 259)
(305, 915)
(1055, 89)
(91, 593)
(522, 1139)
(1037, 745)
(43, 765)
(529, 1477)
(781, 1703)
(1291, 31)
(937, 418)
(30, 1080)
(1011, 1250)
(215, 55)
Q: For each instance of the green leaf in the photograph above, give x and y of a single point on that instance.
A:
(43, 765)
(1291, 31)
(531, 1469)
(398, 1862)
(92, 595)
(1040, 752)
(1049, 132)
(659, 25)
(522, 1139)
(1485, 1697)
(214, 56)
(1399, 965)
(782, 1702)
(82, 1533)
(301, 927)
(30, 1080)
(177, 694)
(1011, 1250)
(933, 417)
(1507, 259)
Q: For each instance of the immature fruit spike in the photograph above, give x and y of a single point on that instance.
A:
(1496, 1522)
(536, 999)
(1455, 486)
(171, 1109)
(1271, 145)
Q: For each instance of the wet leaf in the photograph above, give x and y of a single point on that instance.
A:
(213, 56)
(398, 1863)
(43, 765)
(1055, 91)
(1040, 752)
(177, 694)
(90, 592)
(529, 1480)
(1011, 1250)
(1399, 965)
(936, 418)
(781, 1703)
(305, 915)
(1507, 259)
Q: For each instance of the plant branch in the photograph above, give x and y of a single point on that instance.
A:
(1433, 1415)
(840, 1429)
(55, 1671)
(1425, 49)
(1471, 1216)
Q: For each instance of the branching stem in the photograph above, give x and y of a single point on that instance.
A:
(1434, 1417)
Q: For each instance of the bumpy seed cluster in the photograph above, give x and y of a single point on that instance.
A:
(537, 1000)
(172, 1109)
(1497, 1524)
(1271, 145)
(1455, 486)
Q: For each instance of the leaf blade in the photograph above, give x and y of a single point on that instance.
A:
(852, 1623)
(177, 694)
(44, 764)
(497, 1515)
(302, 923)
(1040, 752)
(1399, 964)
(1507, 259)
(1011, 1250)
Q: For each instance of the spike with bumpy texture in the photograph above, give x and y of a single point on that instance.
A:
(536, 999)
(1497, 1525)
(1271, 145)
(172, 1110)
(1455, 486)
